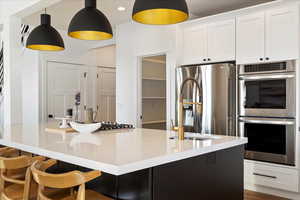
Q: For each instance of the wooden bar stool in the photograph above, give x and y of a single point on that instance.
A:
(17, 186)
(48, 182)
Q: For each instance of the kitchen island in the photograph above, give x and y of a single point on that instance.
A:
(143, 163)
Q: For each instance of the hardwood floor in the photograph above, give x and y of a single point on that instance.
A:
(250, 195)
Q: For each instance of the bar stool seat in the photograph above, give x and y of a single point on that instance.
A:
(16, 192)
(16, 174)
(67, 181)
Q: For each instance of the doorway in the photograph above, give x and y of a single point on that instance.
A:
(153, 98)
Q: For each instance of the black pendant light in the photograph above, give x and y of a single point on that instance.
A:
(45, 37)
(90, 24)
(160, 12)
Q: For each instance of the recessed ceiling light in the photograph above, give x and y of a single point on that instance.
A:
(121, 8)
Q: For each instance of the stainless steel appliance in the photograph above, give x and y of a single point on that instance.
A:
(217, 96)
(267, 90)
(269, 139)
(267, 111)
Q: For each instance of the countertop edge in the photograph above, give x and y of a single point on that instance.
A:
(112, 169)
(124, 169)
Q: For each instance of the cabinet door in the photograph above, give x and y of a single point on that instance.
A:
(250, 38)
(282, 34)
(64, 82)
(194, 45)
(107, 95)
(221, 41)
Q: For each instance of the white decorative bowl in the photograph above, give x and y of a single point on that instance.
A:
(85, 128)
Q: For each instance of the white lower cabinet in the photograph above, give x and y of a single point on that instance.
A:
(271, 176)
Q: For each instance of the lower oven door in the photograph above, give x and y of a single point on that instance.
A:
(269, 139)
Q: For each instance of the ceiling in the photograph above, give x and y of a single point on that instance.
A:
(63, 12)
(202, 8)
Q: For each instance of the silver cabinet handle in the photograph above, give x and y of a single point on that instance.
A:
(263, 175)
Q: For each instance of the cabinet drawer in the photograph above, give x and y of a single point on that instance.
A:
(271, 176)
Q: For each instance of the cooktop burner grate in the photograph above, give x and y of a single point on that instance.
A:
(114, 125)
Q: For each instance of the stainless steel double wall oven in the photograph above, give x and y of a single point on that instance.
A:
(267, 111)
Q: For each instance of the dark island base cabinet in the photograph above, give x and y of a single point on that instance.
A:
(213, 176)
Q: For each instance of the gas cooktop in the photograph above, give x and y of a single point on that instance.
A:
(114, 125)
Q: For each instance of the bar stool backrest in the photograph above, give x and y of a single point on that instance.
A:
(15, 162)
(60, 181)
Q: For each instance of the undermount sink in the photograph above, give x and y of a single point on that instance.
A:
(198, 136)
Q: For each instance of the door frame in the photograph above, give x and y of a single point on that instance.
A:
(168, 87)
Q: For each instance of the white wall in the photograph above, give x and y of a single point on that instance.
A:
(76, 52)
(21, 97)
(132, 42)
(30, 87)
(102, 57)
(22, 8)
(1, 116)
(25, 82)
(10, 21)
(12, 71)
(1, 97)
(23, 67)
(8, 7)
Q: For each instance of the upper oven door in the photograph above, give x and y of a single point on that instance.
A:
(267, 95)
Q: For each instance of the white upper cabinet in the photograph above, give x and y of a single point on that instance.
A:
(206, 43)
(268, 36)
(282, 34)
(250, 38)
(194, 45)
(221, 41)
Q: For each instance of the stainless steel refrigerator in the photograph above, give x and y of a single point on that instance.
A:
(217, 95)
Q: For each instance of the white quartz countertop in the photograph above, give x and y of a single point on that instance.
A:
(115, 152)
